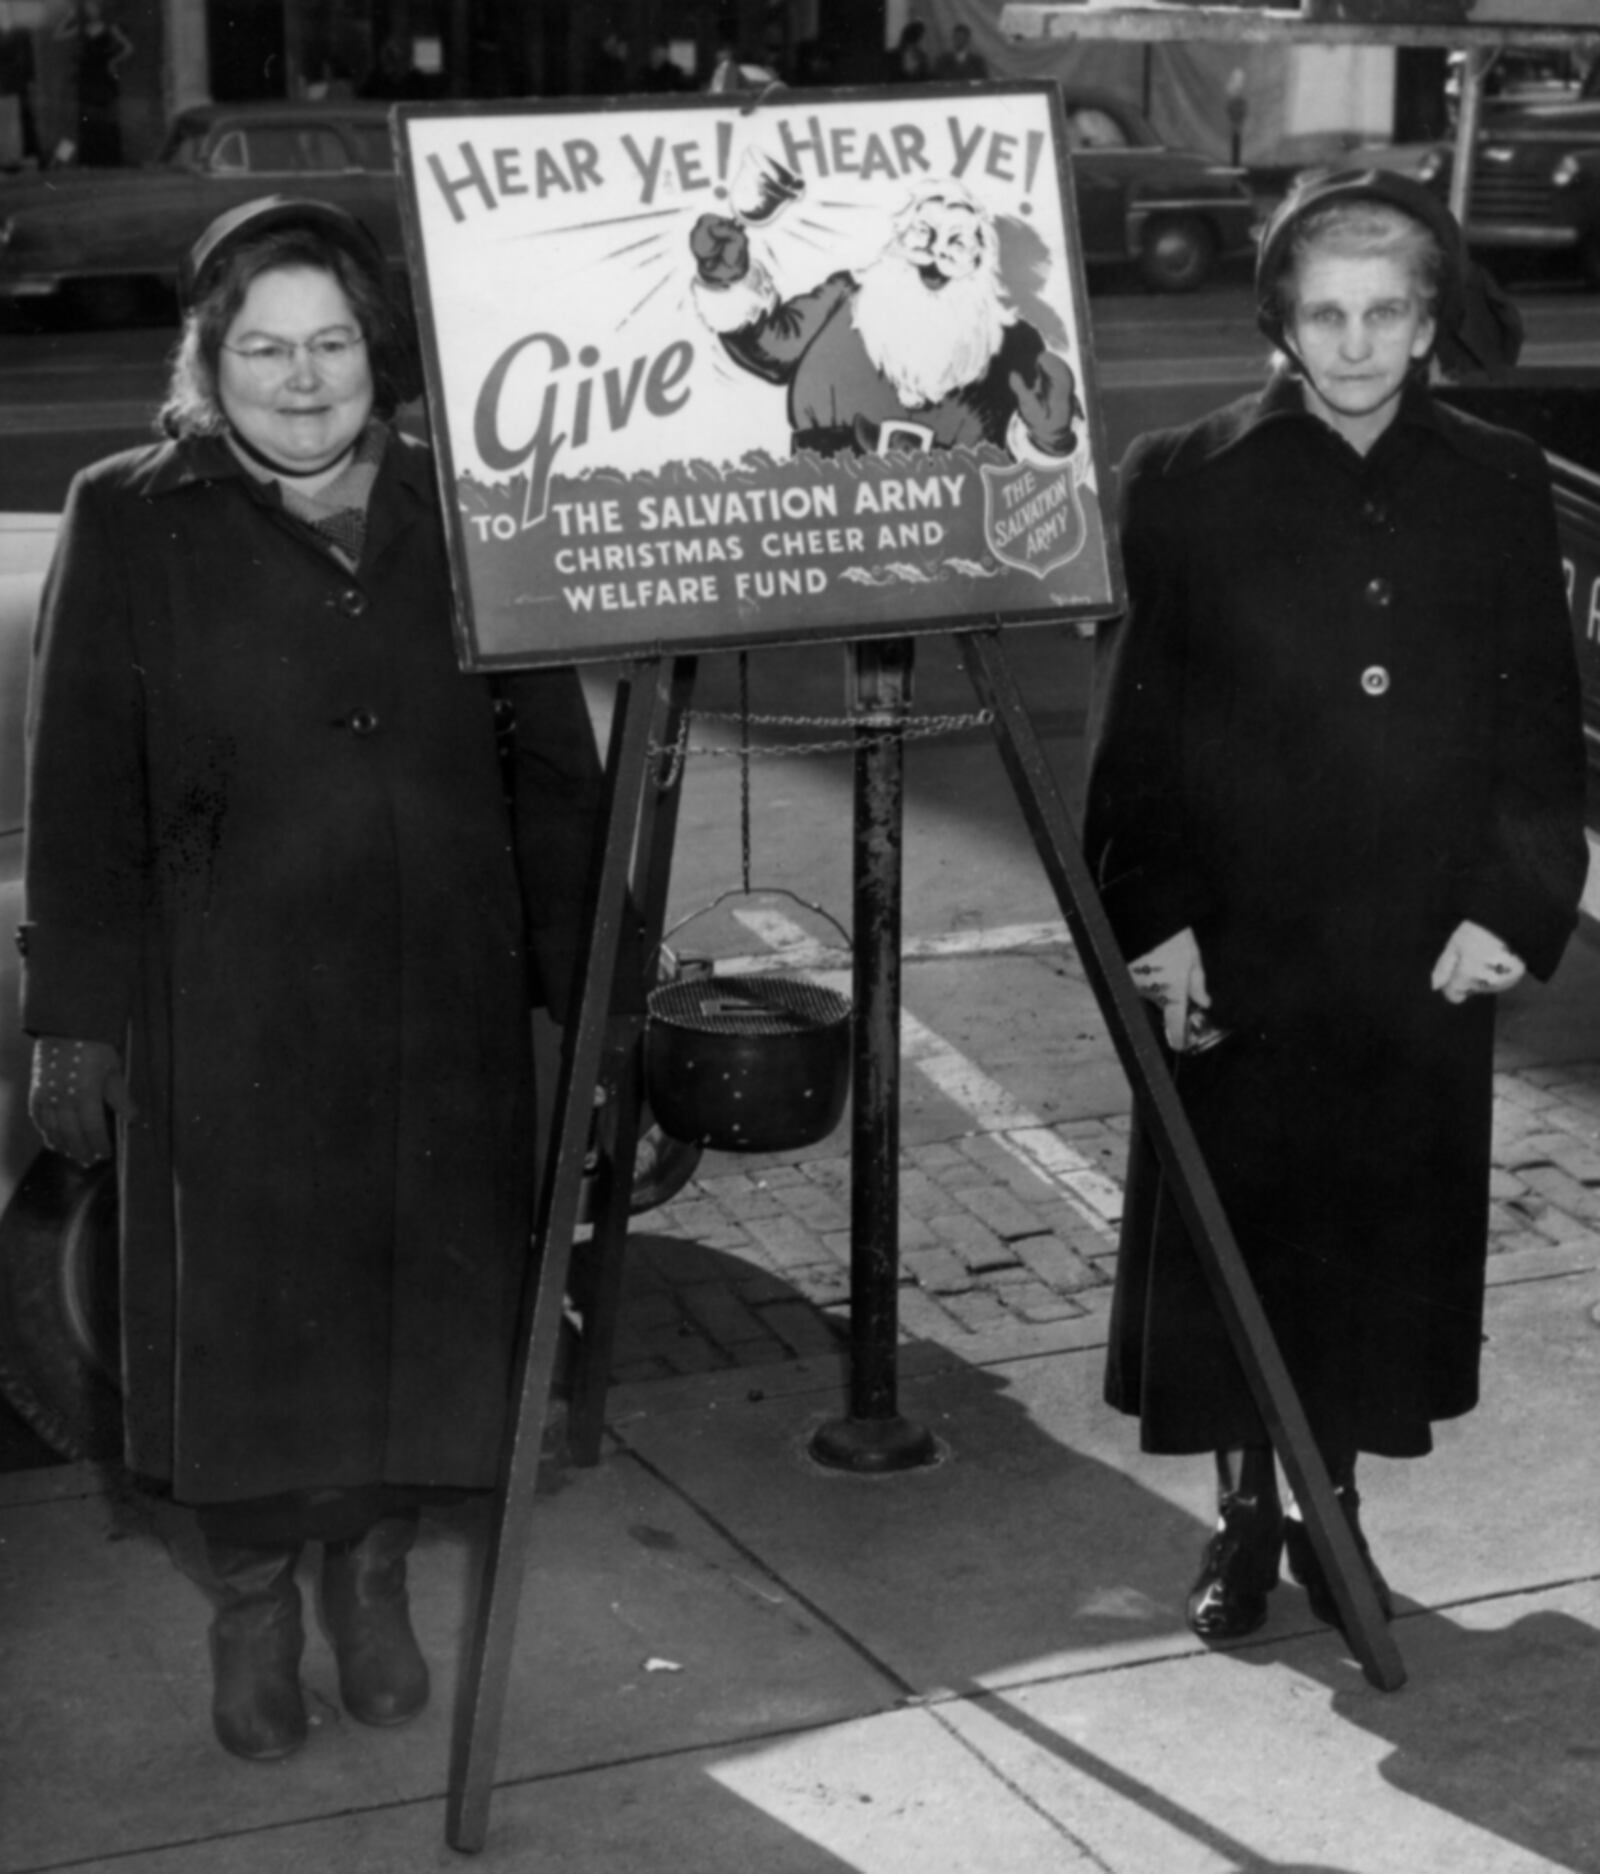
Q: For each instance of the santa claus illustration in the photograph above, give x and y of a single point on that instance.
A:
(918, 350)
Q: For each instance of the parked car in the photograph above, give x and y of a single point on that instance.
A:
(1535, 180)
(1172, 213)
(103, 236)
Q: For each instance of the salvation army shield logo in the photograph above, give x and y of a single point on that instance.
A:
(1033, 517)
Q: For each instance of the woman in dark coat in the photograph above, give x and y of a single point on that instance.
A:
(1335, 807)
(293, 886)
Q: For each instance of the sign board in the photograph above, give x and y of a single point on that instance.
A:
(706, 373)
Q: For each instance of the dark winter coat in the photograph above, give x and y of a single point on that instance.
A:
(1340, 717)
(269, 853)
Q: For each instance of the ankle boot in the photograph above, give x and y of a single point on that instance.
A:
(383, 1678)
(1240, 1564)
(1308, 1571)
(257, 1707)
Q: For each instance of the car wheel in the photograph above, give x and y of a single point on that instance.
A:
(1178, 253)
(59, 1310)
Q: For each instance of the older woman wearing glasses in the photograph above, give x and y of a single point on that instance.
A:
(293, 885)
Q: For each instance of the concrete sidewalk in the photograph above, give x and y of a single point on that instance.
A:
(730, 1659)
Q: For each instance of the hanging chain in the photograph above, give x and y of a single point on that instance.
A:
(912, 729)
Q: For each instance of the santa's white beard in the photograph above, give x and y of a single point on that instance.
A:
(928, 343)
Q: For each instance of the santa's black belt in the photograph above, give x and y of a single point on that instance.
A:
(866, 437)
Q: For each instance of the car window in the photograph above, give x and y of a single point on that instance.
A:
(1090, 128)
(301, 148)
(372, 145)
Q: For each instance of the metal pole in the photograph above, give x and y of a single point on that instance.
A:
(874, 1437)
(1469, 118)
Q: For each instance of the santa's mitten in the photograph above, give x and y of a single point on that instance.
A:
(721, 250)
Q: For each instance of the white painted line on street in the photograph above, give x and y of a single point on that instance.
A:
(1021, 1133)
(1591, 891)
(790, 947)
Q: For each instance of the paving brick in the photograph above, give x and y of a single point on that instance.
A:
(960, 1175)
(821, 1283)
(721, 1314)
(1001, 1211)
(787, 1243)
(976, 1310)
(1034, 1301)
(974, 1242)
(833, 1174)
(814, 1206)
(1017, 1175)
(1504, 1184)
(934, 1158)
(800, 1328)
(939, 1270)
(1055, 1263)
(919, 1195)
(922, 1317)
(917, 1232)
(1552, 1184)
(757, 1286)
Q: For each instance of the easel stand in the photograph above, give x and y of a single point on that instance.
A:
(639, 818)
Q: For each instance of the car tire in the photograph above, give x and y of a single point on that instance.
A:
(1177, 254)
(59, 1309)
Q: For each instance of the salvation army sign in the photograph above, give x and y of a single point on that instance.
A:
(704, 374)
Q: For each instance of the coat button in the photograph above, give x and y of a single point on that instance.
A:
(1379, 593)
(362, 722)
(1375, 680)
(1374, 513)
(352, 602)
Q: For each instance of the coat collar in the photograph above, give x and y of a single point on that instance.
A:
(190, 461)
(404, 484)
(1282, 402)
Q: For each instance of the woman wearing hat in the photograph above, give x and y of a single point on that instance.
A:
(1335, 809)
(293, 882)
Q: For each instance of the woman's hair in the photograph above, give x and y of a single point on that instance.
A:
(1364, 230)
(192, 407)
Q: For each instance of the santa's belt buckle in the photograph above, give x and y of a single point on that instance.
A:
(896, 434)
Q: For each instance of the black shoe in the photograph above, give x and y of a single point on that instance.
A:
(1239, 1571)
(383, 1678)
(1308, 1571)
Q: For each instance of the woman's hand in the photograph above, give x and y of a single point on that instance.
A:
(74, 1082)
(1476, 963)
(1172, 977)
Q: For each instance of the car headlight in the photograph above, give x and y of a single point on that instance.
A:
(1565, 172)
(1432, 166)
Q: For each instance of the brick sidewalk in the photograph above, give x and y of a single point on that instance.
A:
(750, 1265)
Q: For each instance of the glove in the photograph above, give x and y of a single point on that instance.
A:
(73, 1084)
(721, 250)
(1172, 977)
(1475, 963)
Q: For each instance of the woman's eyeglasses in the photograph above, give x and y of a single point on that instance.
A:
(271, 360)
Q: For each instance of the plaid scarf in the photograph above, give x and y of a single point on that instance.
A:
(337, 514)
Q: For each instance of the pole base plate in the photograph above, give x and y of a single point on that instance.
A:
(873, 1447)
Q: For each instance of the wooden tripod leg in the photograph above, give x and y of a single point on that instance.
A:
(487, 1665)
(1249, 1330)
(602, 1294)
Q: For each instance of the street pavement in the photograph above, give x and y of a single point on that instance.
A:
(732, 1658)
